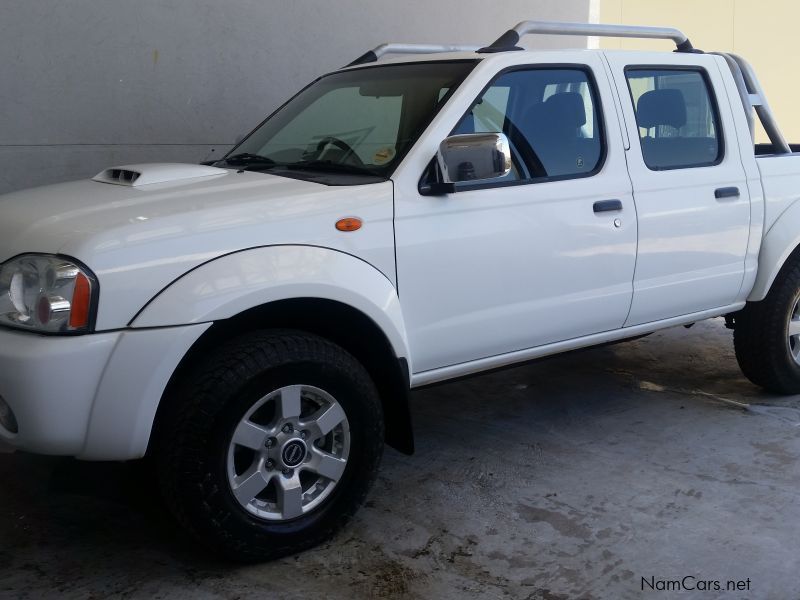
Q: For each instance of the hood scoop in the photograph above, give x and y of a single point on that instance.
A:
(148, 174)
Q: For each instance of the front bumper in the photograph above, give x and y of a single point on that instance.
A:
(50, 383)
(92, 396)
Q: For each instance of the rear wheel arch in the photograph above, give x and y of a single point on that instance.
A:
(779, 248)
(335, 321)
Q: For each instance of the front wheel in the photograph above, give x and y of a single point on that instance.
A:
(270, 445)
(767, 335)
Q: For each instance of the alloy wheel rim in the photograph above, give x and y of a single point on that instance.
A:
(288, 453)
(793, 331)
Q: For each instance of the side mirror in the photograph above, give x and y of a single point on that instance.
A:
(474, 157)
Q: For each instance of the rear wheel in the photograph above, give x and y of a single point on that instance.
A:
(767, 335)
(270, 445)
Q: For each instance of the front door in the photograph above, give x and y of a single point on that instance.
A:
(543, 255)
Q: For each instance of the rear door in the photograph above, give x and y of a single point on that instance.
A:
(689, 184)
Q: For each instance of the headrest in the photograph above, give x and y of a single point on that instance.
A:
(661, 107)
(565, 108)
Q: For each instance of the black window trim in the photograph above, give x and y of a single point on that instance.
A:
(427, 187)
(721, 138)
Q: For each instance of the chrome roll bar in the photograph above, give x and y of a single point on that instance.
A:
(753, 97)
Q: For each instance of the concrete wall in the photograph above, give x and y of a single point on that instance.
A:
(86, 84)
(764, 32)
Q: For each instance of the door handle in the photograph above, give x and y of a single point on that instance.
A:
(726, 192)
(607, 205)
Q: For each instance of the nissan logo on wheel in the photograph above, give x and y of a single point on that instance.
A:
(293, 453)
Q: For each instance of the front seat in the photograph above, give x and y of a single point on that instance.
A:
(553, 129)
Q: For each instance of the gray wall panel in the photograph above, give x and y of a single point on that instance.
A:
(87, 84)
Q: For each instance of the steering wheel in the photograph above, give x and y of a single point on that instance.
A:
(349, 153)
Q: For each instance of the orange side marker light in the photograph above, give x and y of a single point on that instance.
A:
(349, 224)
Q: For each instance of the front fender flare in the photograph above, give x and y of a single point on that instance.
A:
(227, 286)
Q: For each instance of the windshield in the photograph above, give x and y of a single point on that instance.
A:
(360, 121)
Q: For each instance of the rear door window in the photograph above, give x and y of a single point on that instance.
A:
(677, 118)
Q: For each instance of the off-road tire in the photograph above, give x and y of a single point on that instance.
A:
(195, 428)
(760, 335)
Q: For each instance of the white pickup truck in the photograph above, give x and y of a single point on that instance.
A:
(255, 325)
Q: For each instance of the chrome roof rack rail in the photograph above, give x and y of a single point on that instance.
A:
(753, 97)
(384, 49)
(510, 39)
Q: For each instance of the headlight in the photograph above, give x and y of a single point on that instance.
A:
(47, 294)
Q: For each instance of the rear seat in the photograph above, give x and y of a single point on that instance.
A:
(667, 107)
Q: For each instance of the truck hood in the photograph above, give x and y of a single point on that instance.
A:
(140, 227)
(56, 218)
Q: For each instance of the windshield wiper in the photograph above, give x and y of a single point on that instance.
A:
(331, 167)
(257, 162)
(248, 158)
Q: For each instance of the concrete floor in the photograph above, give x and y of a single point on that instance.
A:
(573, 477)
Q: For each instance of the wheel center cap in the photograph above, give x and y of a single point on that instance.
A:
(293, 453)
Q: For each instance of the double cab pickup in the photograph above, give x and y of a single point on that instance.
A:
(254, 325)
